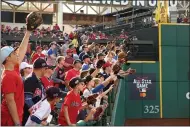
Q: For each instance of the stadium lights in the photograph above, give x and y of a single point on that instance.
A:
(15, 2)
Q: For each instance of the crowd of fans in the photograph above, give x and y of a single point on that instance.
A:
(81, 74)
(183, 19)
(40, 33)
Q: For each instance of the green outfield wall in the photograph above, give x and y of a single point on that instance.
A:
(159, 89)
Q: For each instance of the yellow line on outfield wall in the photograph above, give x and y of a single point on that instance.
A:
(141, 61)
(160, 59)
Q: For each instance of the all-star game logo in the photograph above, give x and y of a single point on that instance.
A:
(142, 86)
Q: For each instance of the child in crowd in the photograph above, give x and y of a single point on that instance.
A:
(41, 111)
(72, 103)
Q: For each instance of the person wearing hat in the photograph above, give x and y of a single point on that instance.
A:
(92, 89)
(85, 50)
(11, 83)
(51, 58)
(38, 54)
(33, 86)
(75, 55)
(107, 69)
(89, 82)
(40, 112)
(68, 60)
(84, 73)
(25, 70)
(46, 79)
(59, 73)
(75, 72)
(100, 56)
(72, 103)
(45, 50)
(86, 62)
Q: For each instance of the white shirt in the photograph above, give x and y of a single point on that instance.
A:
(45, 52)
(87, 93)
(41, 110)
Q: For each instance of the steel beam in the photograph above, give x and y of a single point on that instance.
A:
(87, 3)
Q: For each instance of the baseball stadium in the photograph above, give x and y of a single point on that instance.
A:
(95, 63)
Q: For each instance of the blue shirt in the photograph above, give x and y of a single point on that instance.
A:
(98, 88)
(50, 52)
(81, 55)
(85, 67)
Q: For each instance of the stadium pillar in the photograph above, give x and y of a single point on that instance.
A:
(60, 15)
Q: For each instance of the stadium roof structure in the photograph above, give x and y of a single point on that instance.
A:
(130, 11)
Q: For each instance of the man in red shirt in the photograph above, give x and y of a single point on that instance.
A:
(68, 65)
(72, 103)
(75, 72)
(38, 54)
(12, 86)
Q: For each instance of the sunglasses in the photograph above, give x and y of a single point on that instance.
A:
(27, 68)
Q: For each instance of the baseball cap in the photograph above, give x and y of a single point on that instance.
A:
(38, 47)
(53, 43)
(69, 51)
(24, 65)
(77, 61)
(75, 81)
(88, 79)
(107, 64)
(99, 75)
(50, 67)
(5, 52)
(101, 54)
(54, 92)
(84, 46)
(40, 63)
(85, 56)
(71, 45)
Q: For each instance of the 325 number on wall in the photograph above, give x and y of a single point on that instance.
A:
(152, 109)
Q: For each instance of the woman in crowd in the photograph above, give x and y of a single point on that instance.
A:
(25, 70)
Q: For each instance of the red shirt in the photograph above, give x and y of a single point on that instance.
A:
(36, 56)
(74, 104)
(71, 74)
(68, 60)
(74, 51)
(12, 83)
(46, 82)
(71, 35)
(93, 36)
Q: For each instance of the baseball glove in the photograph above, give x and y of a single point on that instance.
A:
(33, 20)
(100, 63)
(116, 68)
(91, 100)
(100, 111)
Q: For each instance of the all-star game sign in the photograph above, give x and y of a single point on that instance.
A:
(142, 87)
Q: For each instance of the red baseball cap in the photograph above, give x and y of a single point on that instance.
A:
(107, 64)
(38, 47)
(69, 51)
